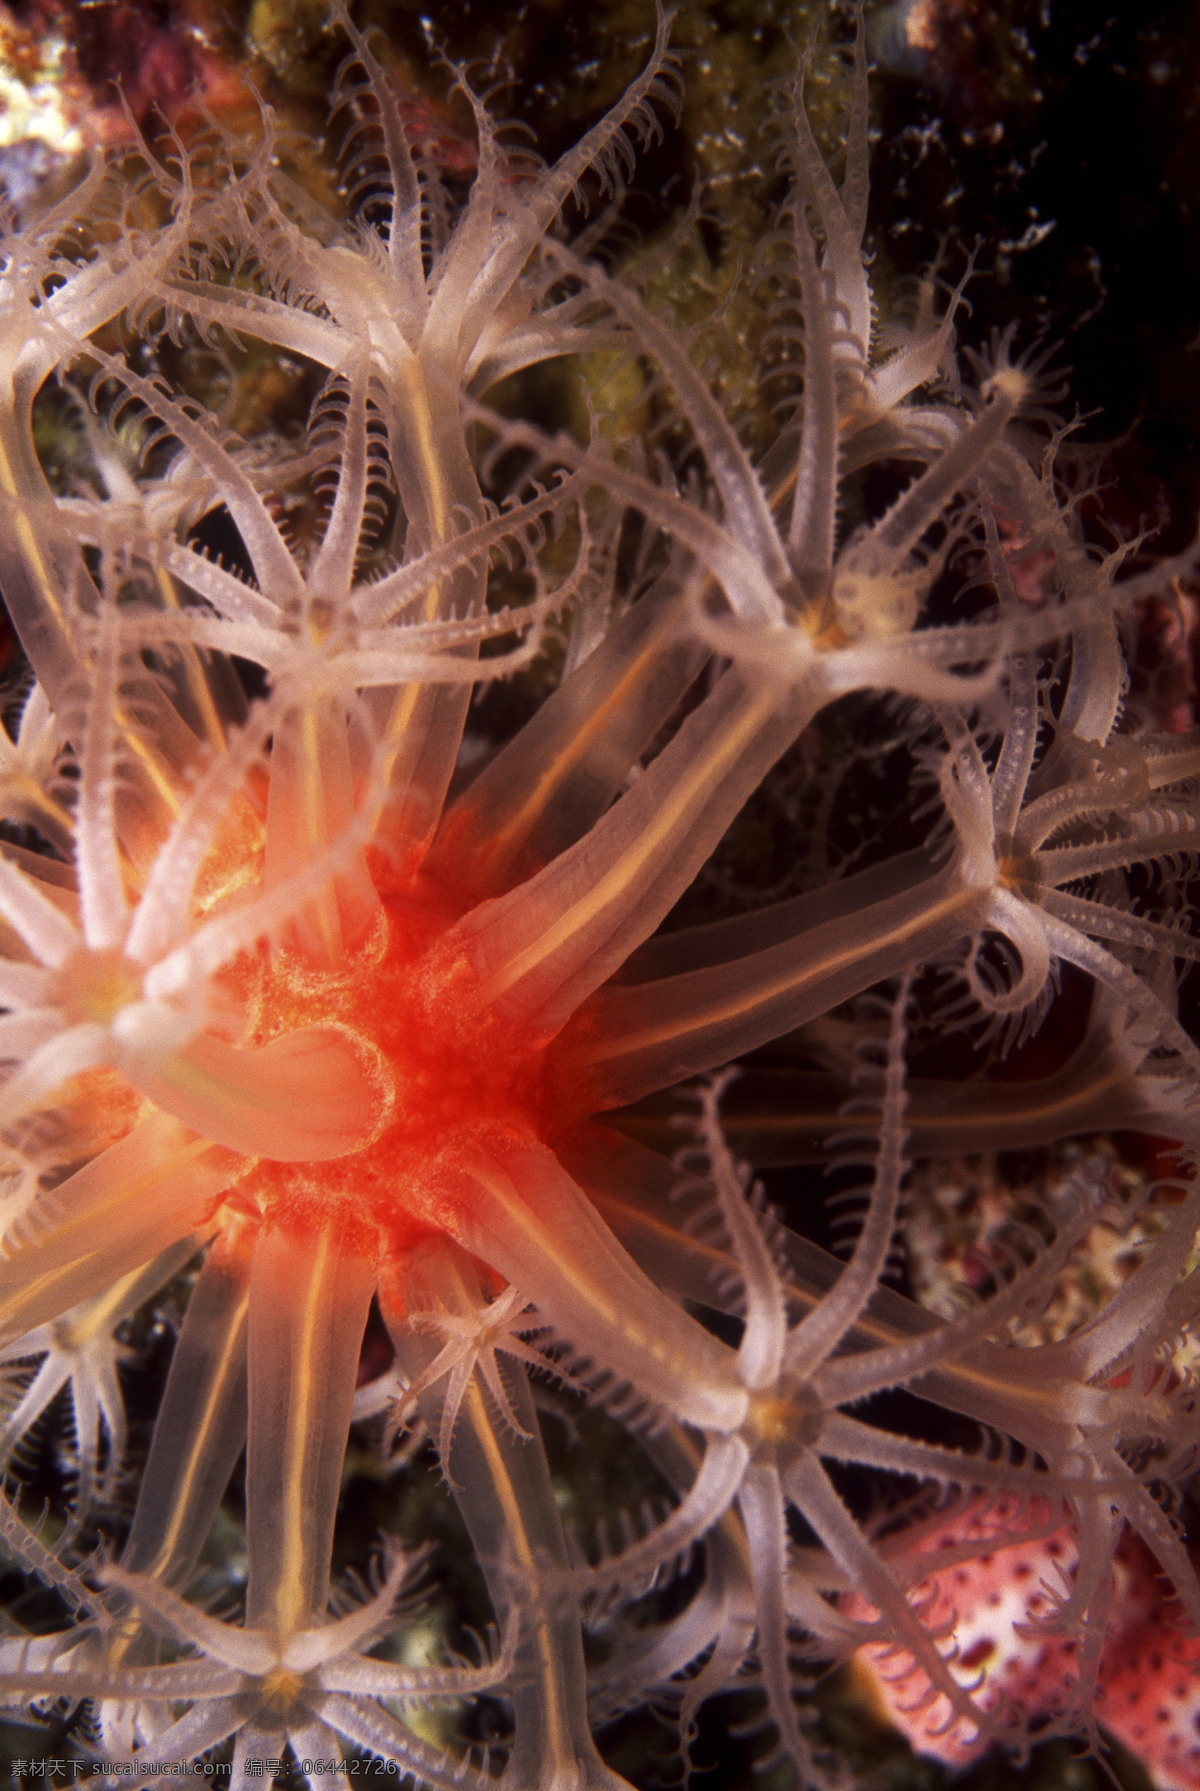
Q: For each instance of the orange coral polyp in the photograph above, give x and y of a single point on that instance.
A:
(456, 1077)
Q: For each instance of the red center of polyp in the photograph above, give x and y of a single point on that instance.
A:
(465, 1079)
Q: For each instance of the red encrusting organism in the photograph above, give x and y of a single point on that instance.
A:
(998, 1610)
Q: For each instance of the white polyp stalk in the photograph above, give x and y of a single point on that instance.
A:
(421, 735)
(304, 1097)
(438, 488)
(309, 1295)
(52, 1294)
(201, 1424)
(651, 1035)
(541, 950)
(527, 1219)
(110, 1194)
(501, 1482)
(135, 1199)
(310, 806)
(549, 785)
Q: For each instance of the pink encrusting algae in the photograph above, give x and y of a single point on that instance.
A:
(287, 986)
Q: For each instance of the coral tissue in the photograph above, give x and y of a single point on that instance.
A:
(302, 991)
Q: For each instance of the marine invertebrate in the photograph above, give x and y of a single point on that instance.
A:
(1145, 1690)
(994, 1600)
(278, 988)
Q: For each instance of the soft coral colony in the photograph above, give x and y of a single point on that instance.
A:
(286, 986)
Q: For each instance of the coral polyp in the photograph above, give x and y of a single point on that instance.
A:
(317, 985)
